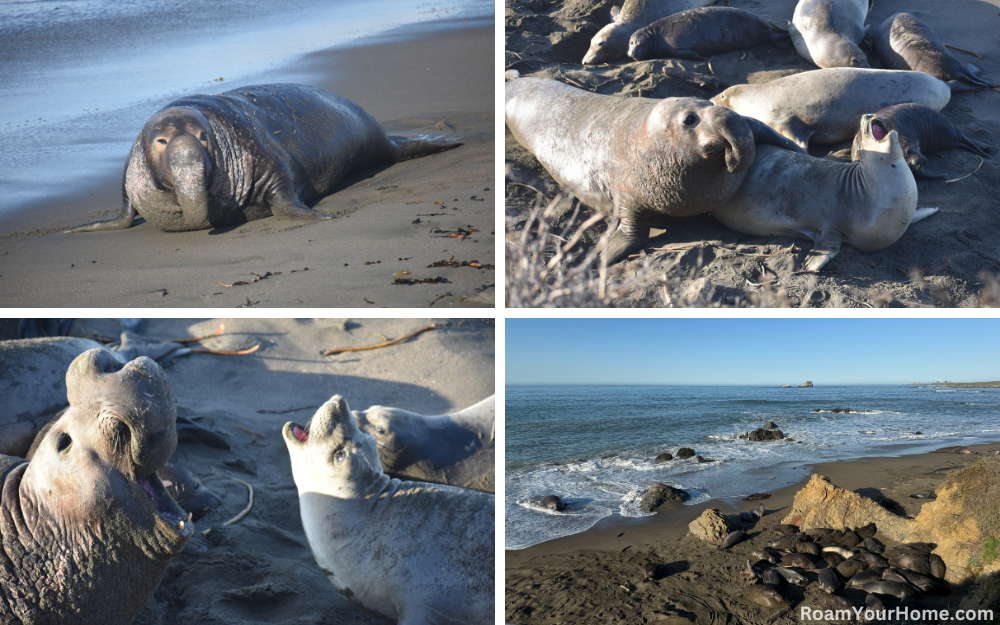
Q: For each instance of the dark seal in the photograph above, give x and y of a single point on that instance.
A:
(208, 161)
(698, 33)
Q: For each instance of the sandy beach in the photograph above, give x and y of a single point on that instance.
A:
(597, 577)
(948, 260)
(428, 80)
(261, 570)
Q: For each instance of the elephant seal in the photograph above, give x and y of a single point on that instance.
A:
(827, 32)
(921, 129)
(410, 552)
(826, 105)
(868, 204)
(765, 596)
(87, 518)
(828, 581)
(187, 490)
(698, 33)
(634, 159)
(893, 589)
(904, 42)
(611, 42)
(207, 161)
(457, 449)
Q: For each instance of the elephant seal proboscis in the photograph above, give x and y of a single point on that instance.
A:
(410, 552)
(922, 130)
(904, 42)
(827, 32)
(826, 105)
(634, 159)
(206, 161)
(867, 204)
(87, 519)
(611, 42)
(698, 33)
(457, 449)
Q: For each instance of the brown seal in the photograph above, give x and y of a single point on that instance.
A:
(699, 33)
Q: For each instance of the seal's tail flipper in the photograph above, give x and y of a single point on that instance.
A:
(405, 150)
(922, 213)
(967, 144)
(827, 245)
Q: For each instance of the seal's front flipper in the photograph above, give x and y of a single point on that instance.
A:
(621, 244)
(122, 221)
(296, 210)
(405, 150)
(923, 213)
(826, 246)
(796, 131)
(764, 134)
(686, 55)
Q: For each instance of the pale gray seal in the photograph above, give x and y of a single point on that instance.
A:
(206, 161)
(410, 552)
(893, 589)
(765, 596)
(611, 42)
(904, 42)
(827, 32)
(636, 159)
(867, 204)
(826, 105)
(87, 519)
(698, 33)
(456, 449)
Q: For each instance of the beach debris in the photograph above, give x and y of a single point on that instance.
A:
(402, 273)
(257, 278)
(248, 431)
(384, 344)
(248, 304)
(373, 262)
(224, 352)
(412, 281)
(460, 263)
(461, 234)
(239, 517)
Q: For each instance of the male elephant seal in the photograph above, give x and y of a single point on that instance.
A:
(636, 159)
(827, 32)
(826, 105)
(904, 42)
(409, 552)
(868, 204)
(456, 449)
(88, 529)
(207, 161)
(699, 33)
(611, 42)
(921, 129)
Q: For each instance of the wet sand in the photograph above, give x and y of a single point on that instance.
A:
(596, 576)
(411, 80)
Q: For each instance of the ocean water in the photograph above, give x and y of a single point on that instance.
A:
(80, 77)
(594, 445)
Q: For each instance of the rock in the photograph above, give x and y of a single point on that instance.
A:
(760, 434)
(711, 526)
(552, 502)
(785, 386)
(659, 494)
(770, 426)
(685, 452)
(806, 385)
(664, 457)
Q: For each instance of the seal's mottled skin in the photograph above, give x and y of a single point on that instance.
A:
(827, 32)
(86, 526)
(699, 33)
(634, 159)
(611, 42)
(208, 161)
(904, 42)
(407, 552)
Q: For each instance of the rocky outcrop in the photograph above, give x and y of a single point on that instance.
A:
(806, 385)
(785, 386)
(770, 425)
(659, 494)
(685, 452)
(761, 434)
(711, 525)
(664, 457)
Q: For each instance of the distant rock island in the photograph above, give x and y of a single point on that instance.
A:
(806, 385)
(785, 386)
(972, 384)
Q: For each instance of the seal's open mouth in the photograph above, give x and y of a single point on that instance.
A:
(879, 131)
(300, 432)
(164, 505)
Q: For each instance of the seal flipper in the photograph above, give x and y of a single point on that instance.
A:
(825, 247)
(923, 213)
(795, 130)
(964, 143)
(923, 174)
(623, 243)
(122, 221)
(405, 150)
(764, 134)
(685, 55)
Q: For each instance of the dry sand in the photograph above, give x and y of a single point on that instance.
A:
(579, 579)
(950, 250)
(410, 80)
(261, 570)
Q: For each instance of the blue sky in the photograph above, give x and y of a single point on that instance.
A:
(751, 351)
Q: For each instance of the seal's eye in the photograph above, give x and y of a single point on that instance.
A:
(379, 429)
(340, 456)
(162, 140)
(909, 152)
(203, 137)
(63, 442)
(690, 120)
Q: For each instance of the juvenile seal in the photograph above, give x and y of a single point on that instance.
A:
(187, 490)
(410, 552)
(921, 130)
(827, 32)
(206, 161)
(733, 538)
(611, 42)
(87, 519)
(867, 204)
(904, 42)
(456, 449)
(698, 33)
(826, 105)
(765, 596)
(828, 581)
(636, 159)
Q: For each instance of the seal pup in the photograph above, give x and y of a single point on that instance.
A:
(87, 518)
(827, 33)
(611, 42)
(456, 449)
(409, 552)
(867, 204)
(826, 105)
(764, 595)
(921, 129)
(206, 161)
(904, 42)
(634, 159)
(698, 33)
